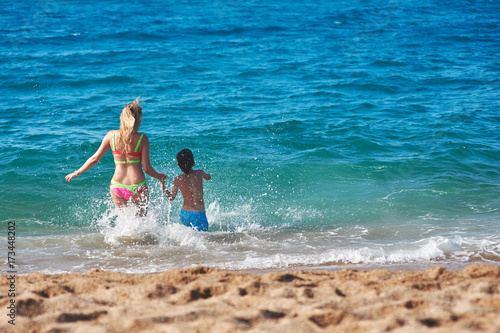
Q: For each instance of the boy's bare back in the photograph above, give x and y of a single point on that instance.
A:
(191, 186)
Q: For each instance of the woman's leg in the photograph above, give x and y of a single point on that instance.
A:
(141, 200)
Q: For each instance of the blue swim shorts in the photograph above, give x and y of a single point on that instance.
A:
(196, 220)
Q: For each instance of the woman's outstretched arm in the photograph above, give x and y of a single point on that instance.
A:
(93, 159)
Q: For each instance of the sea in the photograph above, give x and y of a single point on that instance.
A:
(338, 134)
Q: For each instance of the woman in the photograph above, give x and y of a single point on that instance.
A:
(129, 149)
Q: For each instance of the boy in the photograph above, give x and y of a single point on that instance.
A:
(191, 185)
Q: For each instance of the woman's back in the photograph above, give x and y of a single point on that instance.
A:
(127, 158)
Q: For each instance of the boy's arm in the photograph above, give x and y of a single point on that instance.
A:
(173, 192)
(206, 176)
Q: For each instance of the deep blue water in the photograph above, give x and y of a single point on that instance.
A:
(336, 132)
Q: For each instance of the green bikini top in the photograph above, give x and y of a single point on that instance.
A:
(134, 153)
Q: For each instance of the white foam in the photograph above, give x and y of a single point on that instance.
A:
(180, 235)
(425, 250)
(120, 225)
(213, 214)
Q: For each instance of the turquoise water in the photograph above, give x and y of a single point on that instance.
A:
(336, 132)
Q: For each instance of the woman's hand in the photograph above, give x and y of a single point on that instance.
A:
(71, 176)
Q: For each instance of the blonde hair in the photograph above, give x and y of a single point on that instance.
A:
(130, 121)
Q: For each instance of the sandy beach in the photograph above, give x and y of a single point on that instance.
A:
(210, 300)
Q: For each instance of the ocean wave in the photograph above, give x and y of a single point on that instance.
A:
(122, 242)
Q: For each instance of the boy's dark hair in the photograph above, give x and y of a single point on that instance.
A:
(185, 159)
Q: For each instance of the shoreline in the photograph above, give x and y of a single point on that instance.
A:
(410, 267)
(204, 299)
(453, 265)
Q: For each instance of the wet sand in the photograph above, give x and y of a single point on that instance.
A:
(210, 300)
